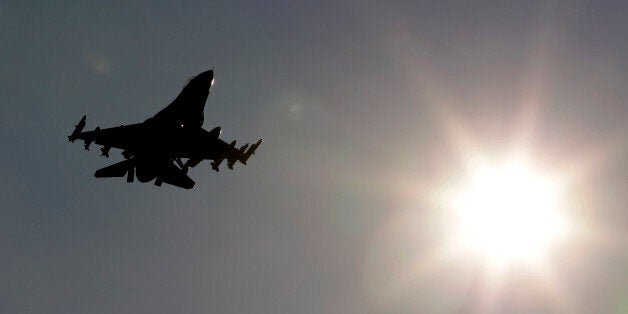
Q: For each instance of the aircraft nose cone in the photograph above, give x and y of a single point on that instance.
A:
(211, 77)
(204, 80)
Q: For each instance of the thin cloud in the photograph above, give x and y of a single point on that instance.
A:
(97, 63)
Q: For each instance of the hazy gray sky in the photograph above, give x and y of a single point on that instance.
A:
(359, 104)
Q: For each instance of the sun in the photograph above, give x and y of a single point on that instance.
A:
(508, 213)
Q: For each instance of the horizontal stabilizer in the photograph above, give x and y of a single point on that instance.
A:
(175, 176)
(115, 170)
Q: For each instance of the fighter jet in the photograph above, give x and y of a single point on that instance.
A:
(165, 146)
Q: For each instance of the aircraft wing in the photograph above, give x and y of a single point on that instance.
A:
(187, 109)
(175, 176)
(169, 174)
(120, 137)
(119, 169)
(233, 155)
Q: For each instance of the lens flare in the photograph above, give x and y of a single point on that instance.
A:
(508, 213)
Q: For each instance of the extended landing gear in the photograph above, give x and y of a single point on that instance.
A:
(183, 167)
(130, 176)
(190, 163)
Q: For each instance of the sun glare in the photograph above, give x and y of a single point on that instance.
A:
(508, 213)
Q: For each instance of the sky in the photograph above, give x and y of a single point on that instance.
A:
(366, 109)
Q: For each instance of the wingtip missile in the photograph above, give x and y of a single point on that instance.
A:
(77, 129)
(250, 151)
(255, 146)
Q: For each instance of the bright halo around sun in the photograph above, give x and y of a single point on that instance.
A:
(508, 213)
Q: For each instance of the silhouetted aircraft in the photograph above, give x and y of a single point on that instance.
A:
(156, 148)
